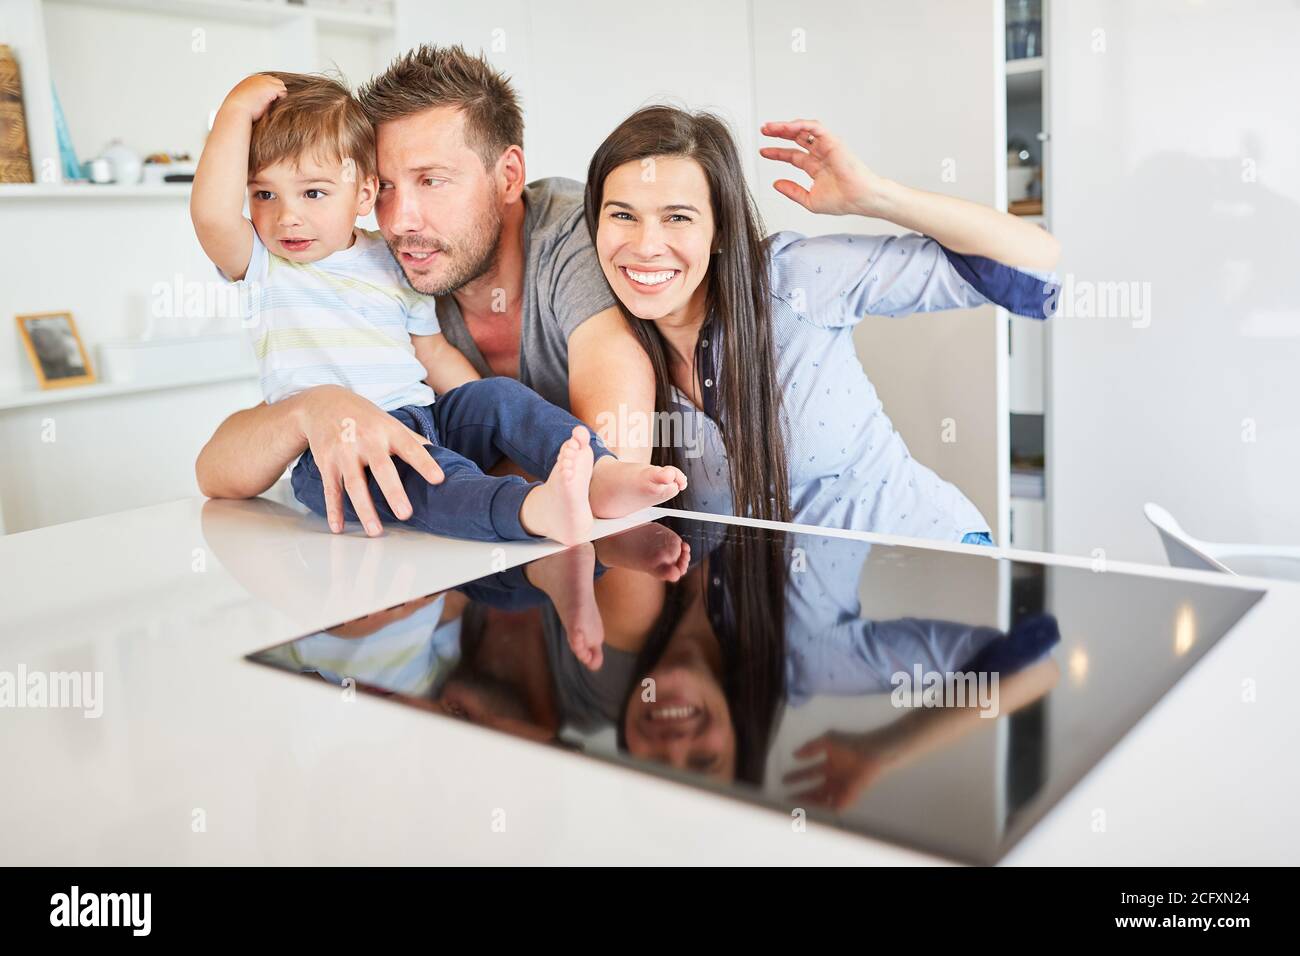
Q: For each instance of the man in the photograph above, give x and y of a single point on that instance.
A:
(519, 289)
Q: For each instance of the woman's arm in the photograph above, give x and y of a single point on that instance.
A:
(612, 385)
(964, 226)
(843, 185)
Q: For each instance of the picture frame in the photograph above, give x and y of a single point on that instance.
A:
(55, 349)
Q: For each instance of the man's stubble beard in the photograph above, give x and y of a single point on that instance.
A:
(469, 261)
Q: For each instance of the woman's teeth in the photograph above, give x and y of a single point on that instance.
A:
(674, 713)
(651, 278)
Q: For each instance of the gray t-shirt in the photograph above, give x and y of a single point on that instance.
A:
(563, 287)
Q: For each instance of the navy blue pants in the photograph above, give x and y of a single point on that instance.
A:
(472, 428)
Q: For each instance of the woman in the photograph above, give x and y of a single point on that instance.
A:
(751, 338)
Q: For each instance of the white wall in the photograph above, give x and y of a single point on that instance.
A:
(581, 67)
(1176, 162)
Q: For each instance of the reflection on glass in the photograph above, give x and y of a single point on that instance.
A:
(901, 692)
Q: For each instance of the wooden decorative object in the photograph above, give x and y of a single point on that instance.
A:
(15, 157)
(55, 348)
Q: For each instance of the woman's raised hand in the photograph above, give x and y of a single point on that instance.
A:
(841, 183)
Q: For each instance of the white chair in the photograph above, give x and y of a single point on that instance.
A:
(1184, 551)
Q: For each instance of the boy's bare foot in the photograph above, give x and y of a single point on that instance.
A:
(566, 578)
(619, 488)
(559, 508)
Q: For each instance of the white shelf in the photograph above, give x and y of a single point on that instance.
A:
(26, 398)
(92, 191)
(273, 12)
(297, 31)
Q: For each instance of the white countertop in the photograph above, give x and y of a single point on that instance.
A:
(167, 600)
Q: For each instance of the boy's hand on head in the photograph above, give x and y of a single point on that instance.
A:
(253, 95)
(221, 180)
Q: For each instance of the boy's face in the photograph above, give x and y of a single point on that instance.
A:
(305, 210)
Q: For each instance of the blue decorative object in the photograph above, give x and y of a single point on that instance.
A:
(67, 155)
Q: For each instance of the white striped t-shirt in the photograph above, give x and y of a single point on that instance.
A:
(344, 320)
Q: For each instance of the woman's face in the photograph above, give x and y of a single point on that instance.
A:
(688, 724)
(655, 236)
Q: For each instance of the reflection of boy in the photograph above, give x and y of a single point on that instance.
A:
(406, 650)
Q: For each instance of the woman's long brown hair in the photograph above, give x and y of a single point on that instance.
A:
(738, 298)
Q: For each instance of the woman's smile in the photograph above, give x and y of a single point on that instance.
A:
(655, 236)
(649, 281)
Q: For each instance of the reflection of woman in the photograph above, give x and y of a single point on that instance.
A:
(706, 693)
(731, 647)
(751, 338)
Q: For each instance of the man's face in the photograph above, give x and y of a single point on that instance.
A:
(438, 208)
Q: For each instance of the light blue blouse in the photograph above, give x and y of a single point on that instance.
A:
(849, 468)
(833, 650)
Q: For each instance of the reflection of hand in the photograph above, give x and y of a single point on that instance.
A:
(852, 762)
(465, 703)
(649, 548)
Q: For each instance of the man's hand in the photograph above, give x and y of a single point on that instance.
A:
(348, 434)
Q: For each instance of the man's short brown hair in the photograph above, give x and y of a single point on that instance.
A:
(317, 117)
(428, 77)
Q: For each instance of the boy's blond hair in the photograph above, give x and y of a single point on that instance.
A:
(317, 117)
